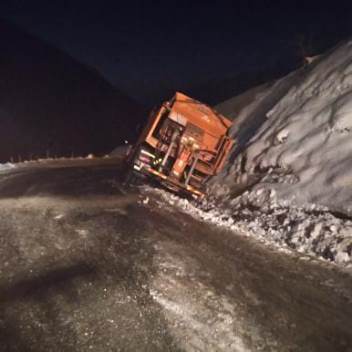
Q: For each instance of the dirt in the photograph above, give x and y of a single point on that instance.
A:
(87, 264)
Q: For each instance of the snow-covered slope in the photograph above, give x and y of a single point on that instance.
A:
(291, 167)
(299, 130)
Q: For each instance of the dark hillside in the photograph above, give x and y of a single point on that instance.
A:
(50, 103)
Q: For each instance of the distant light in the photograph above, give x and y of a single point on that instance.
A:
(126, 142)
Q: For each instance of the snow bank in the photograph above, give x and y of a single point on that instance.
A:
(289, 176)
(7, 166)
(299, 131)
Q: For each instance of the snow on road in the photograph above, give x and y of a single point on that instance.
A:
(189, 305)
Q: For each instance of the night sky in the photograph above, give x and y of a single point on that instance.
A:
(148, 49)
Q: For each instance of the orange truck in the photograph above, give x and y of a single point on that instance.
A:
(183, 144)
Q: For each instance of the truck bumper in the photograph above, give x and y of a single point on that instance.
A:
(170, 182)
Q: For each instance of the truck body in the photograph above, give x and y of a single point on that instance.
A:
(183, 144)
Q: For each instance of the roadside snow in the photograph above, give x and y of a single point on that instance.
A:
(7, 166)
(313, 231)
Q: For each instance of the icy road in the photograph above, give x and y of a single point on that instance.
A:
(88, 266)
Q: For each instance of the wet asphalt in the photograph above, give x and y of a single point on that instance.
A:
(87, 264)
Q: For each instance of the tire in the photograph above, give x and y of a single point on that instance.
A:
(130, 177)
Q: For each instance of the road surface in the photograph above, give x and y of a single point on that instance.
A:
(89, 265)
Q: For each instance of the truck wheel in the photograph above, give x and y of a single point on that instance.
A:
(130, 178)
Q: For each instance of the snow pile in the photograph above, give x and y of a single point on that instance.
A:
(7, 166)
(312, 230)
(298, 130)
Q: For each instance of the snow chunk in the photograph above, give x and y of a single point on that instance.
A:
(282, 136)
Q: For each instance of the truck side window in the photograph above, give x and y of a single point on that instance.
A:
(156, 132)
